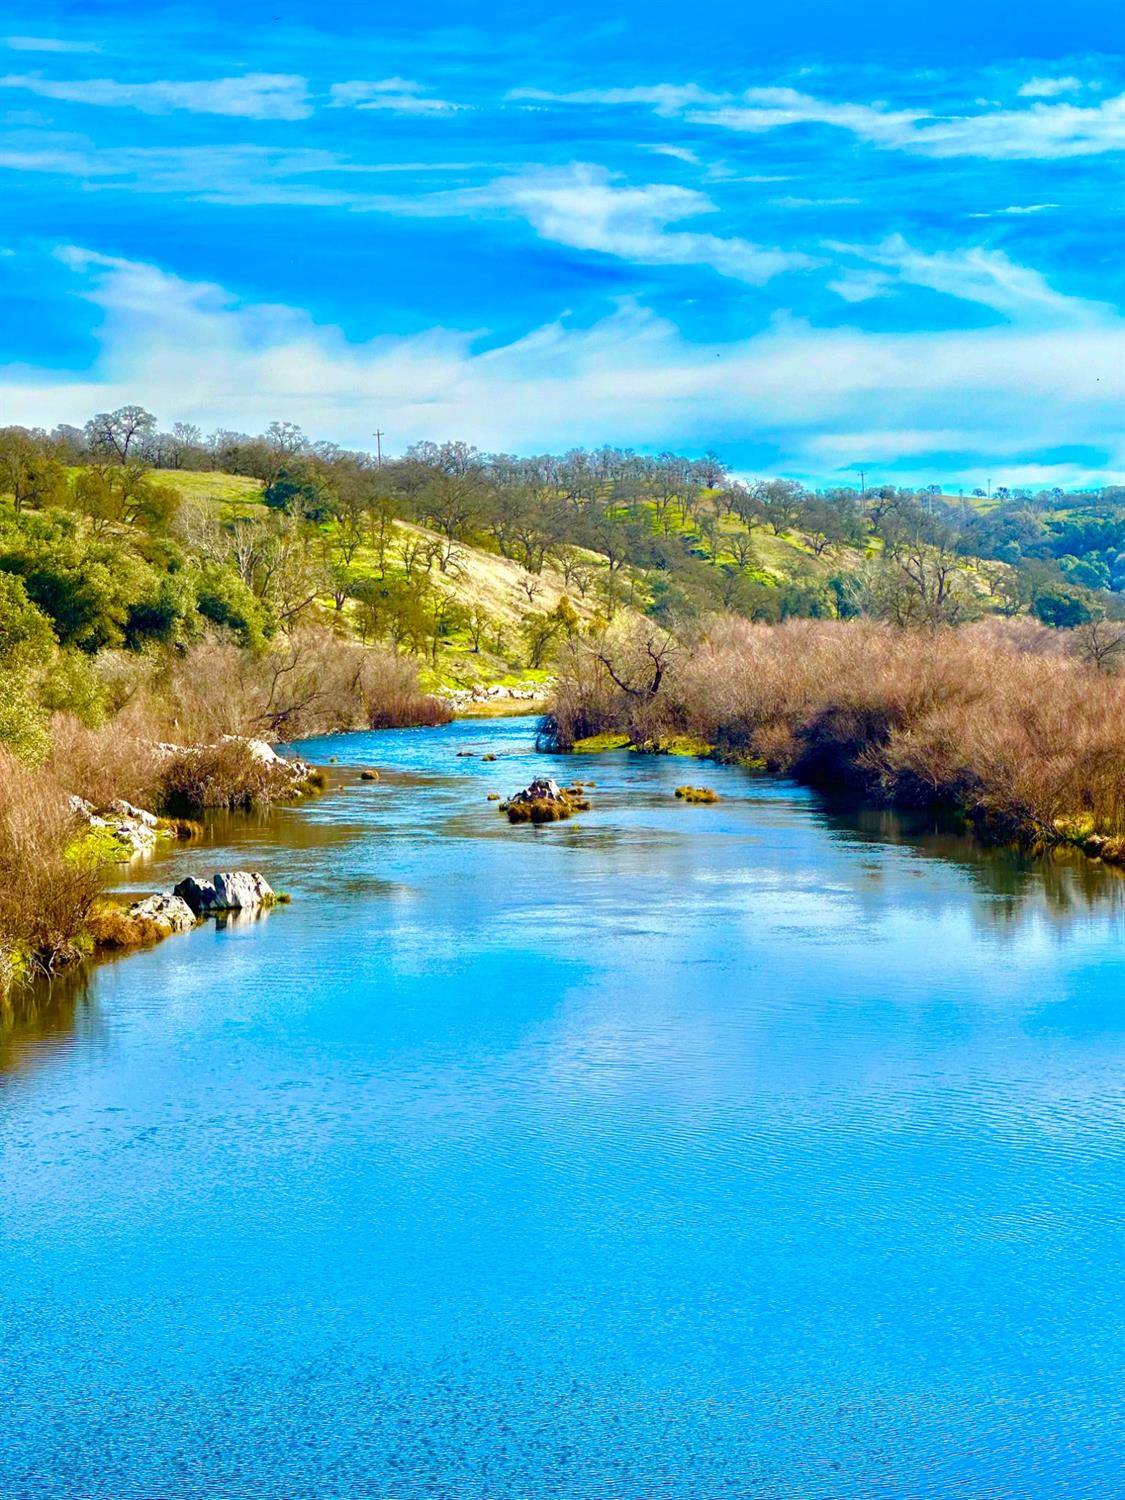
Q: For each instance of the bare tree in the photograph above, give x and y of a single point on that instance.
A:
(116, 434)
(1100, 643)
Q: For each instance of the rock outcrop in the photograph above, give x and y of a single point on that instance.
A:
(524, 692)
(543, 789)
(227, 890)
(169, 912)
(264, 752)
(134, 830)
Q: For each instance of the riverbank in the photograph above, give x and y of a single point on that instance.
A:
(1002, 724)
(62, 849)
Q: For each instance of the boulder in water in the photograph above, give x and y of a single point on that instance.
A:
(170, 912)
(543, 789)
(227, 890)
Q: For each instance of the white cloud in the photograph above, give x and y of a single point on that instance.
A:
(773, 108)
(664, 98)
(677, 153)
(236, 174)
(792, 202)
(254, 96)
(585, 206)
(1044, 132)
(975, 274)
(1049, 88)
(397, 95)
(48, 44)
(1039, 131)
(861, 286)
(190, 351)
(1015, 210)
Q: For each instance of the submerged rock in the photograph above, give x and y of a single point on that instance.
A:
(227, 890)
(170, 912)
(542, 802)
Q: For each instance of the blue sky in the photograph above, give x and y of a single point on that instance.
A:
(815, 238)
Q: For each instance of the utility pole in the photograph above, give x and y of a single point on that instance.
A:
(379, 446)
(862, 486)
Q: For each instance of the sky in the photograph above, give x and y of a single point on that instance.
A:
(816, 238)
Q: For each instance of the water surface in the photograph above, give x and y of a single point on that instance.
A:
(675, 1151)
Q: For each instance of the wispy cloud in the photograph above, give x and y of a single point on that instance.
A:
(677, 153)
(1049, 88)
(48, 44)
(1041, 131)
(254, 96)
(234, 174)
(1038, 131)
(664, 98)
(971, 274)
(766, 109)
(396, 95)
(1013, 211)
(591, 208)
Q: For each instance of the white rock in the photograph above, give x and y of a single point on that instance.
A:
(228, 890)
(125, 809)
(167, 910)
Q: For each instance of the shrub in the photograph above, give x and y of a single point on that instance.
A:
(50, 882)
(1000, 720)
(226, 775)
(308, 683)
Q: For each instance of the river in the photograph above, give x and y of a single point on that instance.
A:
(755, 1149)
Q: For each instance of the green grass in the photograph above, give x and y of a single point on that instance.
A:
(236, 494)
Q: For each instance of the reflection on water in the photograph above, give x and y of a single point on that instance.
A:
(1056, 885)
(760, 1149)
(36, 1019)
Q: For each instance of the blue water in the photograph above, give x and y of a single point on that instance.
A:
(746, 1150)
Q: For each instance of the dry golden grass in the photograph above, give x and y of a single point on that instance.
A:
(112, 926)
(103, 764)
(999, 719)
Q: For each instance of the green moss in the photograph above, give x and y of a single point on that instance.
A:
(595, 742)
(685, 744)
(98, 846)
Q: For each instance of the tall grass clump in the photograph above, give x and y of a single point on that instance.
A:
(1002, 720)
(225, 775)
(52, 876)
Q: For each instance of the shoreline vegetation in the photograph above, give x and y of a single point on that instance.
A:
(169, 600)
(1001, 722)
